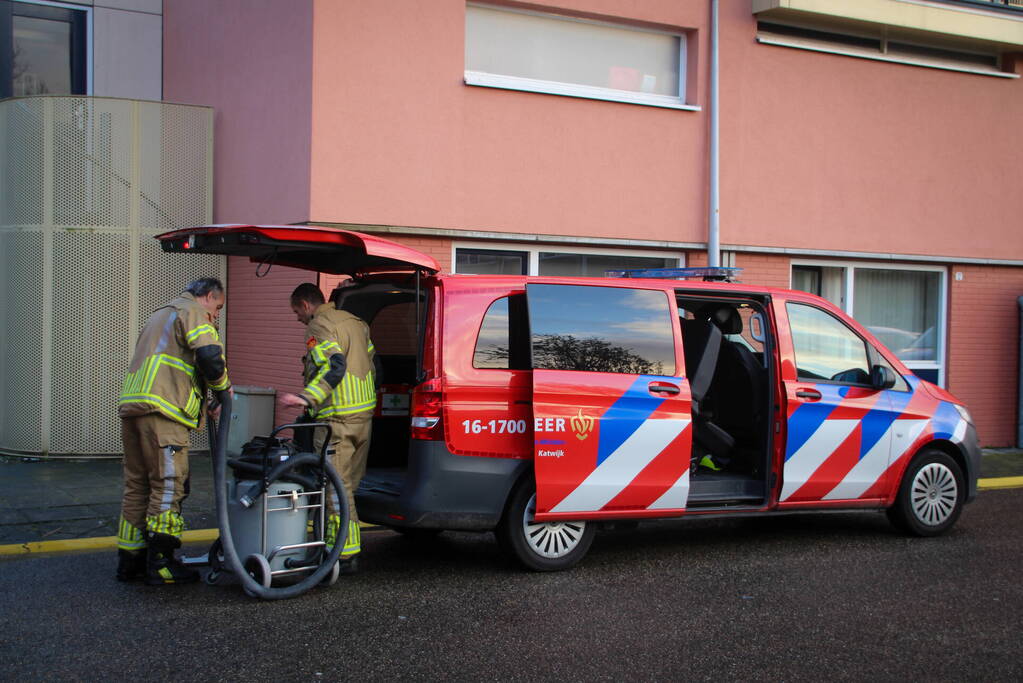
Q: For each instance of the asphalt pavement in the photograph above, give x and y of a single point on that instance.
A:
(812, 597)
(58, 500)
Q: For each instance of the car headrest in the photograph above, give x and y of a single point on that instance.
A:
(727, 319)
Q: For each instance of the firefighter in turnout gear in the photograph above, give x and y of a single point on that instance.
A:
(340, 388)
(178, 356)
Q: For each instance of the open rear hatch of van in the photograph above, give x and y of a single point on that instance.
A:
(325, 250)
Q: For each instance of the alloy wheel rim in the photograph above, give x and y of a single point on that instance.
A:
(934, 494)
(551, 540)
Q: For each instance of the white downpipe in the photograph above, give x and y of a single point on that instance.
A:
(714, 228)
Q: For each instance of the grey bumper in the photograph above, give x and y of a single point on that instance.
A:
(971, 449)
(439, 490)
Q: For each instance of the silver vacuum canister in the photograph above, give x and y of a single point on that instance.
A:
(285, 520)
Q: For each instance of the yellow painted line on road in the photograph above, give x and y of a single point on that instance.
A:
(97, 543)
(1000, 483)
(106, 542)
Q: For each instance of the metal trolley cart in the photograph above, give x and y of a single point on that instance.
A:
(272, 513)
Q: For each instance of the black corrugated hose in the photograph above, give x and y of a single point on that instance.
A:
(231, 560)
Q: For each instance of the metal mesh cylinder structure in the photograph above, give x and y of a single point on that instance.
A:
(85, 184)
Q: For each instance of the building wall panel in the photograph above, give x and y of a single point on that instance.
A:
(126, 61)
(251, 61)
(401, 140)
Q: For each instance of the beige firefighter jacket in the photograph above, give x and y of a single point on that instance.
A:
(164, 376)
(334, 390)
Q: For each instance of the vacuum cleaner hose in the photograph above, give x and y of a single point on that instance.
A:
(231, 559)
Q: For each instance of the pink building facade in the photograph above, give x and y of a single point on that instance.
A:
(868, 152)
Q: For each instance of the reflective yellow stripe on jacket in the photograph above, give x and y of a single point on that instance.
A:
(138, 388)
(199, 331)
(321, 354)
(196, 333)
(351, 395)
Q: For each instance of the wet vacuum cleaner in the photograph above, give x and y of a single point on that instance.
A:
(272, 512)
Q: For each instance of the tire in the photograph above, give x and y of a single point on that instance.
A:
(931, 495)
(541, 547)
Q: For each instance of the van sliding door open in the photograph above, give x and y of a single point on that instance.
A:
(611, 415)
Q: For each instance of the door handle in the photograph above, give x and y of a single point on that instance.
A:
(663, 388)
(811, 394)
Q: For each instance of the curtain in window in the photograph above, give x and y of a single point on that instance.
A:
(558, 49)
(901, 308)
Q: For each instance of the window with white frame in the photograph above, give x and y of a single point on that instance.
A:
(43, 48)
(903, 306)
(584, 261)
(549, 53)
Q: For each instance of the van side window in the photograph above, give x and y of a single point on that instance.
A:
(601, 329)
(503, 340)
(825, 348)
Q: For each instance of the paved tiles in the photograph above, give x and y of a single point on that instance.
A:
(46, 500)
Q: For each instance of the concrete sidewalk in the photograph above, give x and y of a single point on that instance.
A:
(60, 500)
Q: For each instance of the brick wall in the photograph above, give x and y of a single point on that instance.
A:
(437, 247)
(764, 270)
(264, 341)
(983, 348)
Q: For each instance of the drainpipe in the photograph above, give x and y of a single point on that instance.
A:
(1019, 384)
(714, 229)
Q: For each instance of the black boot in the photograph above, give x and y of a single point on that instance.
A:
(131, 564)
(161, 565)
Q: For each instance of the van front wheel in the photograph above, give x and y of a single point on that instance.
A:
(931, 495)
(541, 546)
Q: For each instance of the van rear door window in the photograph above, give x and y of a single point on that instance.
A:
(502, 341)
(601, 329)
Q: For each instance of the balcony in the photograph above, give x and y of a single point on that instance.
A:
(987, 25)
(1000, 5)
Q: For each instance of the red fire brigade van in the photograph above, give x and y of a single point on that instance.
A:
(537, 407)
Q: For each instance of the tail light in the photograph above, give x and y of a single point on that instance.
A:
(426, 411)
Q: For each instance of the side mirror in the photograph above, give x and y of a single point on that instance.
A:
(882, 377)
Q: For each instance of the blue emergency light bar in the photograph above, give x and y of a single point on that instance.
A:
(716, 273)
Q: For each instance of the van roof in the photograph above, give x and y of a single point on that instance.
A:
(463, 281)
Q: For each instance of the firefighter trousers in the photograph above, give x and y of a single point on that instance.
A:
(155, 478)
(348, 450)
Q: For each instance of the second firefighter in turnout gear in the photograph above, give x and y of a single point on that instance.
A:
(178, 356)
(340, 388)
